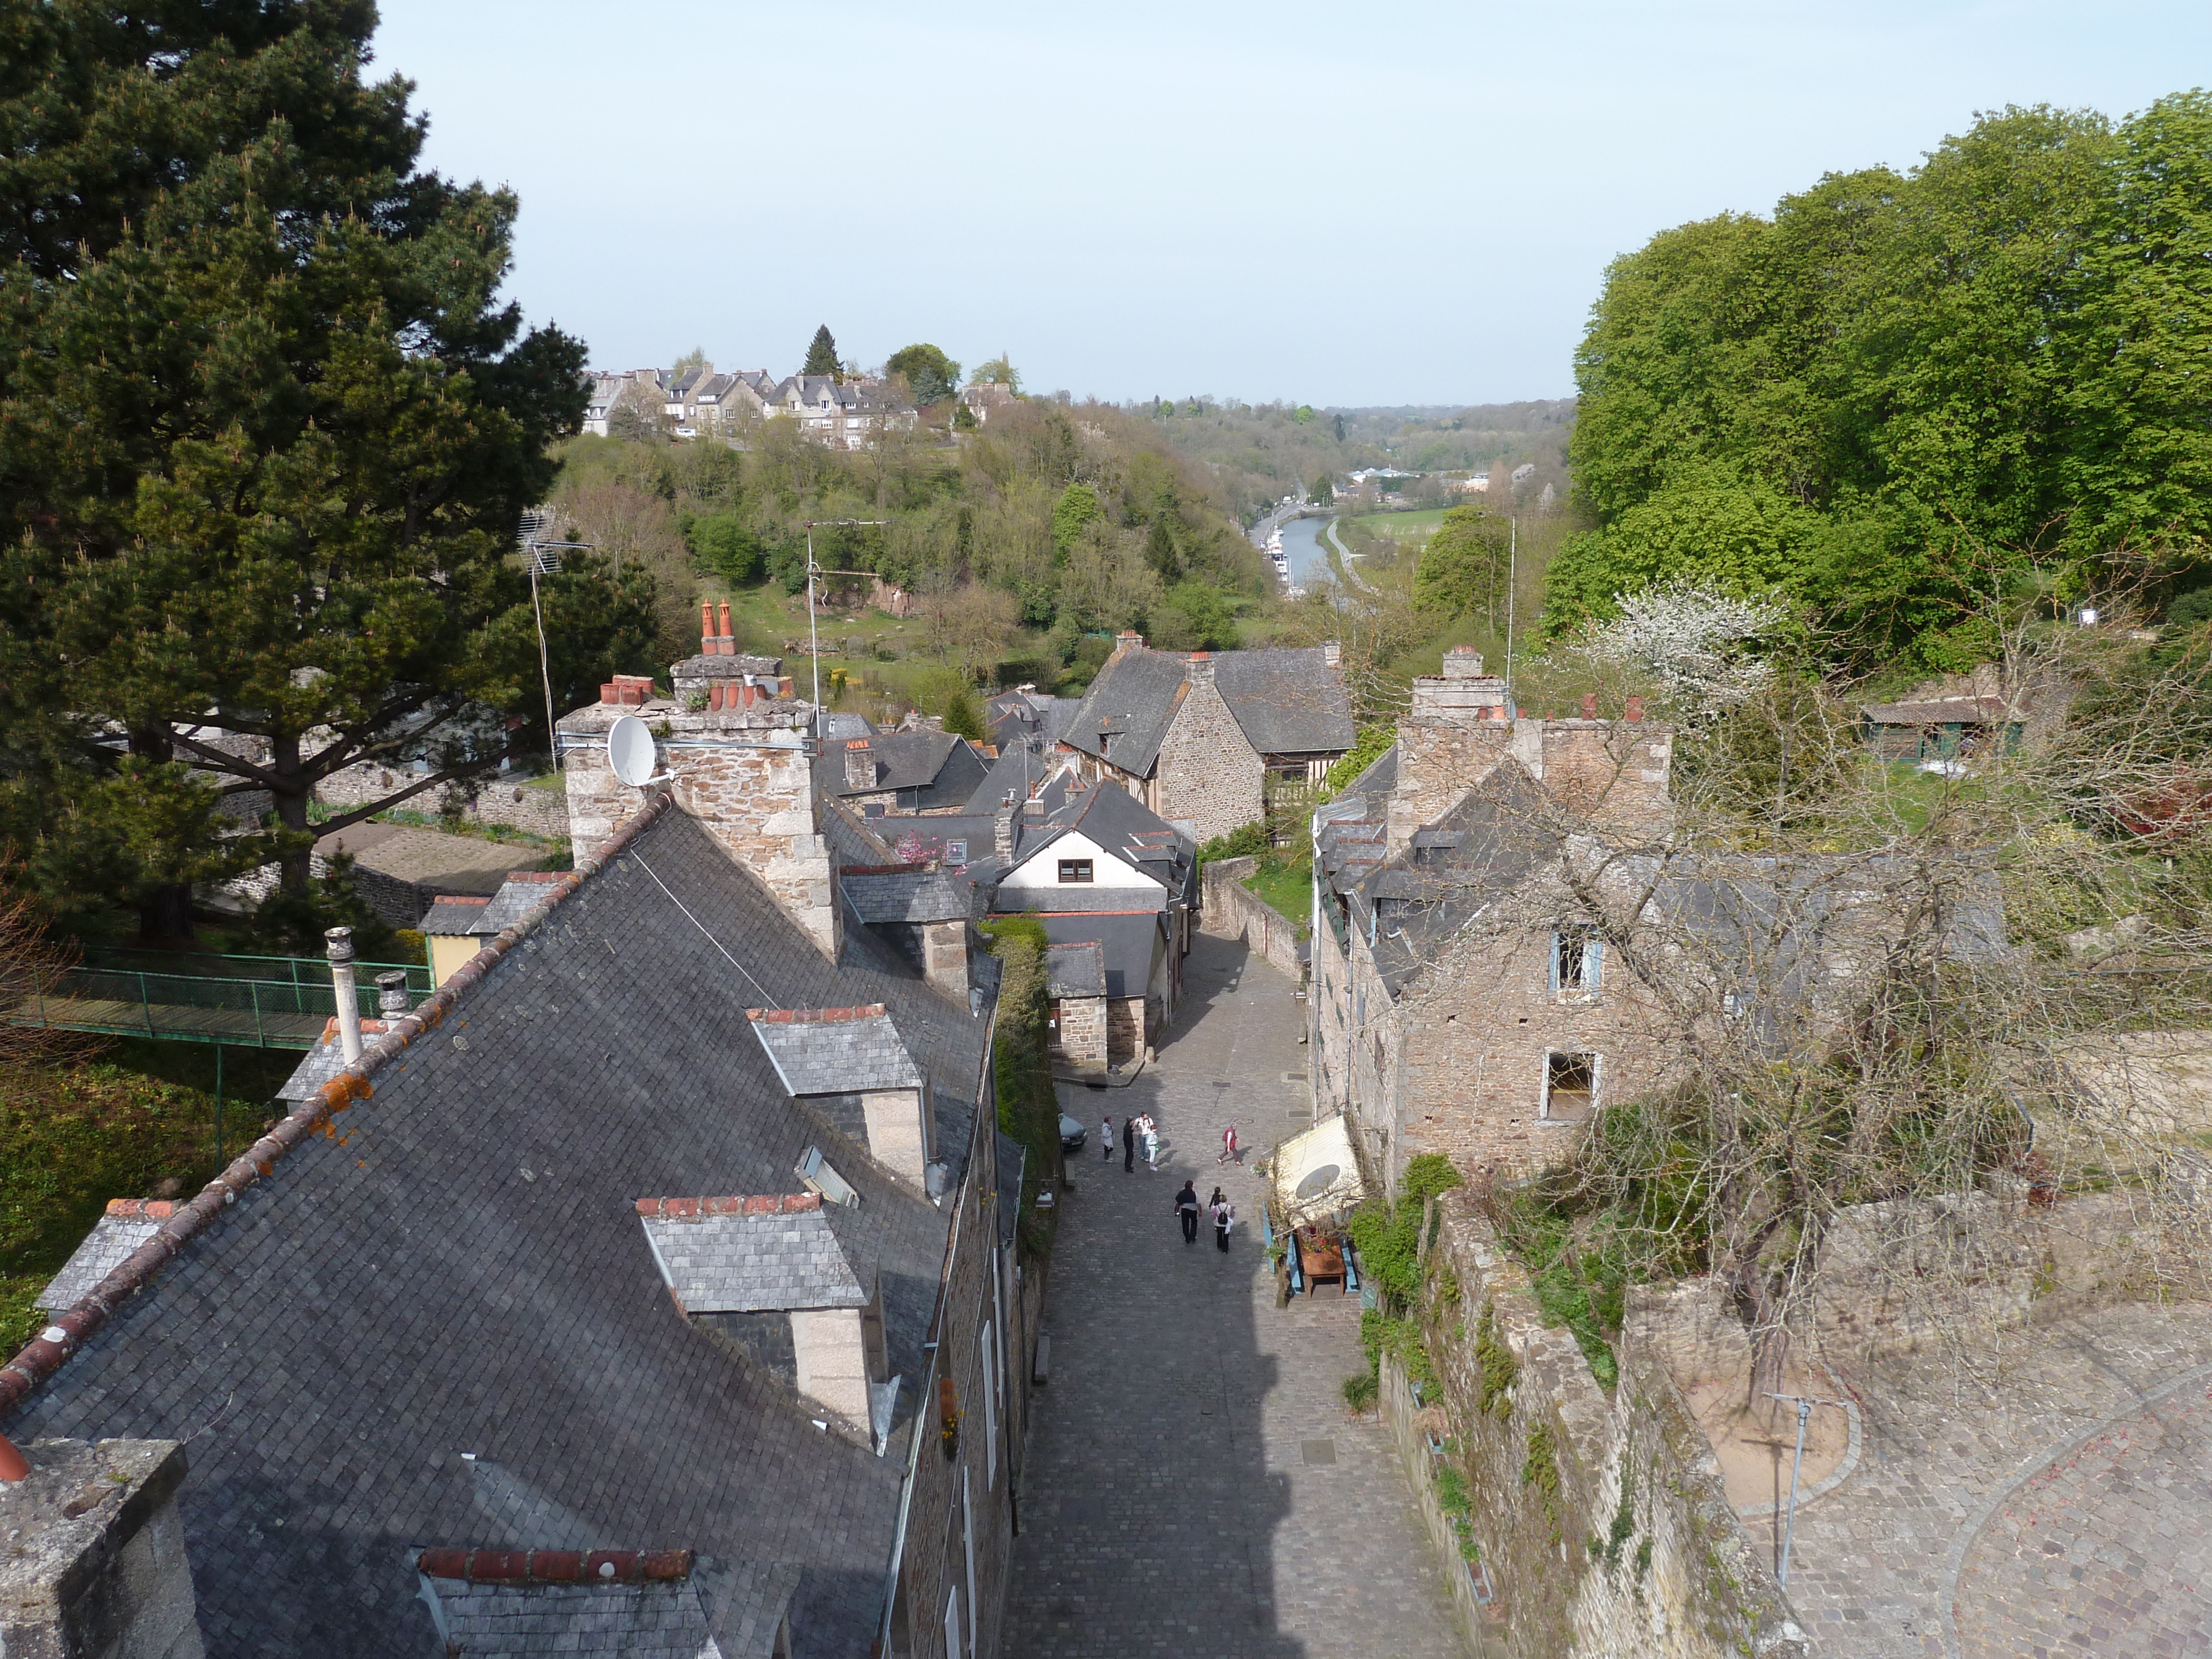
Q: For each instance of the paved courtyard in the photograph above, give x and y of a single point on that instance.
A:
(1193, 1484)
(2059, 1506)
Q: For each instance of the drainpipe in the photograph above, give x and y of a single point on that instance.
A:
(342, 990)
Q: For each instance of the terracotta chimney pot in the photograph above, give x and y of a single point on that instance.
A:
(1590, 705)
(1636, 708)
(706, 627)
(607, 692)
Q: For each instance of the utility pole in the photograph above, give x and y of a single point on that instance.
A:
(1512, 571)
(813, 637)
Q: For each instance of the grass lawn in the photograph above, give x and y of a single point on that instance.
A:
(1284, 882)
(1404, 526)
(114, 1124)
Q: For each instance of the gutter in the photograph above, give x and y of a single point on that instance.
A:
(48, 1351)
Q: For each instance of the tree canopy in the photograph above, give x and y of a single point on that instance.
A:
(265, 433)
(1901, 380)
(929, 373)
(821, 354)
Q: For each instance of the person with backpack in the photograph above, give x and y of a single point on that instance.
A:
(1224, 1219)
(1187, 1211)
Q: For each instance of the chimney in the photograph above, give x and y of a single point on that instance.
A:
(1462, 662)
(95, 1563)
(727, 643)
(1636, 708)
(391, 996)
(1198, 668)
(1126, 641)
(860, 765)
(1002, 828)
(1332, 654)
(945, 957)
(340, 943)
(1454, 736)
(1590, 705)
(706, 646)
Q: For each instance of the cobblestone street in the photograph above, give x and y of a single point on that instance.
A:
(2063, 1509)
(1193, 1484)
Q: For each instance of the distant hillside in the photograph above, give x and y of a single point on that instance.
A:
(1260, 453)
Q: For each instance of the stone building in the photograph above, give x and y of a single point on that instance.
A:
(1474, 888)
(1216, 739)
(1096, 868)
(1433, 1033)
(655, 1279)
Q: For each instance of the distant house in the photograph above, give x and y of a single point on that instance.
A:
(1215, 738)
(1026, 712)
(843, 414)
(637, 388)
(920, 771)
(1097, 868)
(987, 396)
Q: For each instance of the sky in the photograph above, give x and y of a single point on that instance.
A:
(1334, 204)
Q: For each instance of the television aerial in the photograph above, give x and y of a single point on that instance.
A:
(630, 753)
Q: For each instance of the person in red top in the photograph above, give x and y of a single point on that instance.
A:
(1229, 1147)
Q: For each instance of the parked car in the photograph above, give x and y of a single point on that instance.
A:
(1071, 1135)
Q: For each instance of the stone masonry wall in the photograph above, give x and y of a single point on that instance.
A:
(1207, 772)
(1082, 1032)
(1603, 1525)
(95, 1564)
(508, 801)
(1229, 910)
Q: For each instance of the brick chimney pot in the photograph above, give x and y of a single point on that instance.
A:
(1590, 705)
(1636, 708)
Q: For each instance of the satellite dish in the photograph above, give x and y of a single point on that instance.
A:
(629, 751)
(1318, 1181)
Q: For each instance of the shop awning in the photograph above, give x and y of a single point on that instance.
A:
(1315, 1174)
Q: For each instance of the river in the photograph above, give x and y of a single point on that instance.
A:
(1307, 552)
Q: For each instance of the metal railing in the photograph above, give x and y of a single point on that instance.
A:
(269, 1002)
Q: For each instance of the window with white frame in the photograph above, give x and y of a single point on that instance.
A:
(1578, 962)
(1570, 1086)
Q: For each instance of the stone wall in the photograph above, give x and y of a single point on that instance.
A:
(95, 1566)
(397, 902)
(1602, 1524)
(1898, 1278)
(1080, 1035)
(1229, 910)
(507, 801)
(1125, 1029)
(1207, 772)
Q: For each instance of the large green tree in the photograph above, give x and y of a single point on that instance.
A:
(929, 373)
(1899, 385)
(821, 354)
(265, 436)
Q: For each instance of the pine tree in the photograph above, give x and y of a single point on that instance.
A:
(264, 437)
(821, 354)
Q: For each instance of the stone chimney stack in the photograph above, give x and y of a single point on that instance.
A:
(95, 1563)
(1002, 828)
(1332, 654)
(859, 764)
(1126, 641)
(742, 772)
(1198, 668)
(1458, 729)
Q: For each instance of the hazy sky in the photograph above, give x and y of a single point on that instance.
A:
(1336, 204)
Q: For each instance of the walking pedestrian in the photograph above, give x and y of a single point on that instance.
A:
(1128, 1145)
(1106, 1138)
(1224, 1219)
(1229, 1147)
(1187, 1211)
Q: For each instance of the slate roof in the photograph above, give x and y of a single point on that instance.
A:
(1022, 764)
(514, 1621)
(1014, 1160)
(1076, 969)
(842, 725)
(1285, 702)
(323, 1061)
(922, 838)
(458, 1267)
(450, 917)
(926, 768)
(1942, 711)
(523, 892)
(1129, 943)
(129, 1223)
(912, 895)
(1118, 822)
(833, 1051)
(761, 1261)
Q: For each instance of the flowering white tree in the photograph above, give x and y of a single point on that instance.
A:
(1694, 641)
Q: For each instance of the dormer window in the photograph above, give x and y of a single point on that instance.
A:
(1578, 962)
(1075, 869)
